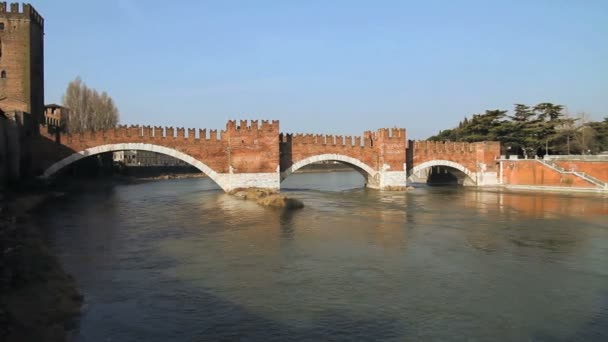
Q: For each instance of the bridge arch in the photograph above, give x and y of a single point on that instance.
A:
(50, 171)
(359, 166)
(448, 163)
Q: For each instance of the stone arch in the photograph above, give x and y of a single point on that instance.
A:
(448, 163)
(360, 166)
(135, 146)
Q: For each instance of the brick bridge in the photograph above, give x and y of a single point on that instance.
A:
(256, 154)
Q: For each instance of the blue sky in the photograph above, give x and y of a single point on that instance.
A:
(325, 66)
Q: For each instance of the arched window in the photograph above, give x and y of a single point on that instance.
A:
(3, 74)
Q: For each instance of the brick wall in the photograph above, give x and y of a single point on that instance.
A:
(376, 149)
(247, 148)
(470, 155)
(597, 169)
(534, 173)
(21, 60)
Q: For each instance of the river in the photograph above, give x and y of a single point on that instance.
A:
(178, 260)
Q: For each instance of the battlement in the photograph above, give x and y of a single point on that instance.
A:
(253, 128)
(367, 140)
(136, 132)
(25, 11)
(450, 146)
(321, 139)
(390, 133)
(252, 125)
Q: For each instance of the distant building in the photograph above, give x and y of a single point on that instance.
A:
(145, 158)
(56, 115)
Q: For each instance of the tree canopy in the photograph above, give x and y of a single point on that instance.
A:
(529, 130)
(89, 110)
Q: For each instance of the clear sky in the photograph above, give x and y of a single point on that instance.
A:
(329, 66)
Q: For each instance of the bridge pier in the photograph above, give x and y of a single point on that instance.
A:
(485, 178)
(387, 180)
(232, 181)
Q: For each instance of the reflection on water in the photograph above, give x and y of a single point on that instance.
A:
(175, 260)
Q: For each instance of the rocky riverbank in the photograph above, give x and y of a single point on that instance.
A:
(38, 299)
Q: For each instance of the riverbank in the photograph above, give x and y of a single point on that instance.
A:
(38, 299)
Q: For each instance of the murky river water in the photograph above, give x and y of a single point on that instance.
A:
(178, 260)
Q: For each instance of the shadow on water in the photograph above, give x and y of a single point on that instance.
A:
(175, 261)
(242, 324)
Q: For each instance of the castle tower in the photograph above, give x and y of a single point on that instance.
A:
(22, 60)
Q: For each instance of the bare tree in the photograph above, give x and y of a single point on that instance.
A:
(88, 109)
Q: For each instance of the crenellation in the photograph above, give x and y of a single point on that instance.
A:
(231, 125)
(169, 132)
(213, 135)
(158, 132)
(116, 131)
(191, 133)
(243, 125)
(131, 131)
(358, 141)
(254, 125)
(340, 140)
(147, 132)
(296, 138)
(397, 133)
(181, 133)
(368, 139)
(349, 140)
(266, 126)
(202, 134)
(285, 138)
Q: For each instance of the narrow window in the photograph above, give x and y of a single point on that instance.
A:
(3, 74)
(1, 26)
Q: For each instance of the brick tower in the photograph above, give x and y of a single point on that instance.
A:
(22, 60)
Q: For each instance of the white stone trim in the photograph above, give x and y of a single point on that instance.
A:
(136, 146)
(438, 162)
(337, 157)
(270, 180)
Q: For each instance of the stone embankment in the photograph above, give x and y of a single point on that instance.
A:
(267, 198)
(38, 299)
